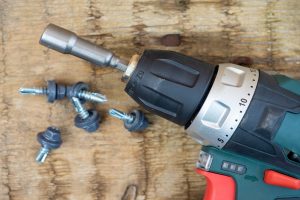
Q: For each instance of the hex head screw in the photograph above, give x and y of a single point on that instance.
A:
(135, 121)
(49, 139)
(54, 91)
(88, 120)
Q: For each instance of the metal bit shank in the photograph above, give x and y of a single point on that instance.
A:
(67, 42)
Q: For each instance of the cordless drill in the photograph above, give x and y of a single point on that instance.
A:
(247, 120)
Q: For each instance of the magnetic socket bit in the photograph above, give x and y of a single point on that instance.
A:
(67, 42)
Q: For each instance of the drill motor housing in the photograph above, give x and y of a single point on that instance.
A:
(175, 87)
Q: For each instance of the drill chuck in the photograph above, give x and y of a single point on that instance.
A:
(67, 42)
(171, 85)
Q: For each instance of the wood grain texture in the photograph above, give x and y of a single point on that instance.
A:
(113, 164)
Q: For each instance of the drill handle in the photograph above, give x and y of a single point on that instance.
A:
(231, 176)
(218, 187)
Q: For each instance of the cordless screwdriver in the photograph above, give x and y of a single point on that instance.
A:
(247, 120)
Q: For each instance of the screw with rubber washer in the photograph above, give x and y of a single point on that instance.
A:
(55, 91)
(80, 90)
(135, 121)
(49, 139)
(88, 120)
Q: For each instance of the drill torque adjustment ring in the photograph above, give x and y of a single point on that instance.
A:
(135, 121)
(221, 114)
(50, 139)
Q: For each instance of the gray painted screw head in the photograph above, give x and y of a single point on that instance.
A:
(80, 90)
(91, 123)
(88, 120)
(135, 121)
(49, 139)
(73, 90)
(55, 91)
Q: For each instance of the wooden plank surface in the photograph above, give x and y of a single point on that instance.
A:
(113, 164)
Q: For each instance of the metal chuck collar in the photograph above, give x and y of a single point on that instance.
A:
(135, 121)
(88, 120)
(49, 139)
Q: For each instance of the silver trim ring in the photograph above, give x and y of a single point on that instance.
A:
(225, 105)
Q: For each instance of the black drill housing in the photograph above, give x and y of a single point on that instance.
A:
(254, 135)
(174, 86)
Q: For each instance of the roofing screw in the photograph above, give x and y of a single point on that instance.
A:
(79, 90)
(55, 91)
(88, 120)
(135, 121)
(49, 139)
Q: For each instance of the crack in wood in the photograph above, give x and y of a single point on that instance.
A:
(98, 185)
(3, 40)
(230, 25)
(270, 16)
(139, 27)
(94, 15)
(5, 168)
(146, 167)
(60, 180)
(6, 173)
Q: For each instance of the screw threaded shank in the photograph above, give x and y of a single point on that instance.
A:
(82, 112)
(42, 154)
(34, 91)
(121, 115)
(92, 96)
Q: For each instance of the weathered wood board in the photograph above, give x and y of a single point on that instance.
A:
(159, 164)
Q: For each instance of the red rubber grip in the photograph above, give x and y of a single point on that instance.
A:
(219, 187)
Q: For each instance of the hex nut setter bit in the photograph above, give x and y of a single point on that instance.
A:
(67, 42)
